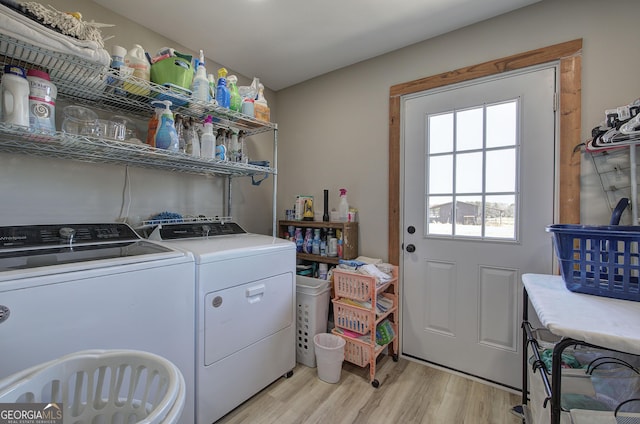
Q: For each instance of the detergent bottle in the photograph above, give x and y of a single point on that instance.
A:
(261, 107)
(343, 206)
(221, 145)
(223, 97)
(152, 127)
(14, 96)
(208, 140)
(42, 101)
(200, 85)
(137, 65)
(235, 101)
(166, 136)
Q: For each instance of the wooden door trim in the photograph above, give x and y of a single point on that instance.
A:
(569, 55)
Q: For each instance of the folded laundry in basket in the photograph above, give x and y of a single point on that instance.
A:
(373, 271)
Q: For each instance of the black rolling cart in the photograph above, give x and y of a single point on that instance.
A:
(577, 320)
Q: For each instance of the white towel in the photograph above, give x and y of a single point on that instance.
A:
(24, 29)
(372, 270)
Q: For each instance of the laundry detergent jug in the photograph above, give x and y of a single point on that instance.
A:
(136, 65)
(15, 96)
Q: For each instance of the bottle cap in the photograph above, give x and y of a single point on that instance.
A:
(118, 51)
(15, 70)
(37, 73)
(343, 191)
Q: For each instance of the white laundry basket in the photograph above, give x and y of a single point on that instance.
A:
(93, 386)
(312, 311)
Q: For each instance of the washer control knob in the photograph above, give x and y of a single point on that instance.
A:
(67, 233)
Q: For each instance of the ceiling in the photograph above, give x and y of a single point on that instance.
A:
(285, 42)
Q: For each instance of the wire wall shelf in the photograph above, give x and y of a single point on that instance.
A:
(187, 220)
(16, 139)
(83, 81)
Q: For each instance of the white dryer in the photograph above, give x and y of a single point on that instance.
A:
(245, 311)
(66, 288)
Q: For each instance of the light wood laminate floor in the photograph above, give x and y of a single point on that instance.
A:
(409, 392)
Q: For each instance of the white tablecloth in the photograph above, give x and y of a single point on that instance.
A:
(609, 323)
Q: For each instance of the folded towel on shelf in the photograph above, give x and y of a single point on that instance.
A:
(373, 271)
(15, 25)
(368, 260)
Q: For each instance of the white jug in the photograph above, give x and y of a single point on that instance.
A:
(15, 96)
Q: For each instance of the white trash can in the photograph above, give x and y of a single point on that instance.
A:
(329, 356)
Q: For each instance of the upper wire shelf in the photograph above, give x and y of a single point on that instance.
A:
(83, 81)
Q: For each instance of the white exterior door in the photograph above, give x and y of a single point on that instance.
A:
(479, 189)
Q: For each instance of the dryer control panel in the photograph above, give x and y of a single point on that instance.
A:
(195, 230)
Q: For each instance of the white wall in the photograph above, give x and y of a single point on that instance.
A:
(334, 128)
(50, 190)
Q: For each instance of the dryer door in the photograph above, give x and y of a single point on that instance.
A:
(240, 316)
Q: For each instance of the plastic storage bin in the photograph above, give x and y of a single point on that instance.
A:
(357, 286)
(357, 352)
(103, 386)
(312, 311)
(172, 70)
(599, 260)
(352, 318)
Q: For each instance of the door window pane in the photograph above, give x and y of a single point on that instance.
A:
(469, 129)
(440, 171)
(469, 216)
(499, 215)
(440, 133)
(469, 173)
(501, 171)
(440, 215)
(501, 124)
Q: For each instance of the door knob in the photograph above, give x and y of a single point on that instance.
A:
(410, 248)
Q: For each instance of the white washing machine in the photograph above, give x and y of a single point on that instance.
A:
(246, 311)
(66, 288)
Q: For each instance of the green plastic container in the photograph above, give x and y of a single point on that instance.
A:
(172, 70)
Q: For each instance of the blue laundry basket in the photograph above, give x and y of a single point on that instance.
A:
(599, 260)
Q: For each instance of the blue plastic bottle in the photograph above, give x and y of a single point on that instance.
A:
(166, 136)
(222, 92)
